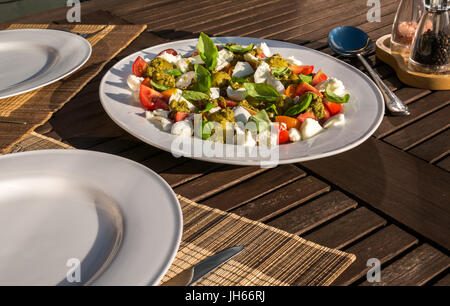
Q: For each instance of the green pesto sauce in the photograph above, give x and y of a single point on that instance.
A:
(221, 79)
(317, 107)
(179, 106)
(276, 61)
(222, 116)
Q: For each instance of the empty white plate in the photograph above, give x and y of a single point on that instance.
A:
(32, 58)
(70, 217)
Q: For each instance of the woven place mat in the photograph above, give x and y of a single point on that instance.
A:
(37, 106)
(271, 256)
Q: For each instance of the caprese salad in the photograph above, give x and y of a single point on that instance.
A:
(234, 85)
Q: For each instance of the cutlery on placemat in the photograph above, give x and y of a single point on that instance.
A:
(191, 275)
(85, 35)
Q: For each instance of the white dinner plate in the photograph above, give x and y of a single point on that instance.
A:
(118, 219)
(32, 58)
(363, 113)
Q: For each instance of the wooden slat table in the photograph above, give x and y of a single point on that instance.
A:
(386, 199)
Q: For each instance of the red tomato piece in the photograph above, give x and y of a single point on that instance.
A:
(180, 116)
(152, 99)
(302, 69)
(334, 108)
(170, 51)
(146, 82)
(327, 115)
(140, 67)
(305, 87)
(319, 78)
(305, 115)
(283, 136)
(229, 103)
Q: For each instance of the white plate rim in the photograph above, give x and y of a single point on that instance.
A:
(179, 214)
(371, 130)
(73, 69)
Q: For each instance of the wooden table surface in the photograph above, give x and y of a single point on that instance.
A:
(386, 199)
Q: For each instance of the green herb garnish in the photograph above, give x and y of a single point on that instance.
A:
(296, 109)
(330, 96)
(261, 92)
(237, 48)
(272, 108)
(204, 79)
(207, 128)
(261, 120)
(194, 96)
(238, 80)
(208, 51)
(159, 87)
(280, 71)
(207, 108)
(174, 72)
(305, 78)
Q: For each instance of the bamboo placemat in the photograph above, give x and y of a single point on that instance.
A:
(37, 106)
(271, 256)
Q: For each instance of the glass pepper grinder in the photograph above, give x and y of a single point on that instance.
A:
(405, 25)
(431, 44)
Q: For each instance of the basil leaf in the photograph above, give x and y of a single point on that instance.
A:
(174, 72)
(159, 87)
(272, 108)
(236, 48)
(305, 78)
(280, 71)
(239, 80)
(330, 96)
(262, 121)
(204, 78)
(208, 51)
(261, 91)
(239, 48)
(207, 128)
(296, 109)
(207, 108)
(194, 96)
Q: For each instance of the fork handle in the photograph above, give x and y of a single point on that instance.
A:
(393, 103)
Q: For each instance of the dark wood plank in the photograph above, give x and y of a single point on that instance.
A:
(255, 187)
(204, 15)
(60, 13)
(383, 245)
(397, 183)
(216, 181)
(444, 164)
(445, 281)
(312, 214)
(434, 148)
(163, 161)
(116, 145)
(420, 130)
(347, 229)
(187, 172)
(131, 7)
(236, 22)
(229, 20)
(158, 18)
(140, 153)
(418, 109)
(320, 28)
(283, 199)
(414, 269)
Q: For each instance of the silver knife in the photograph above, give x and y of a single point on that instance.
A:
(191, 275)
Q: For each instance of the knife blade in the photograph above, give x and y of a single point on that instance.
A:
(193, 274)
